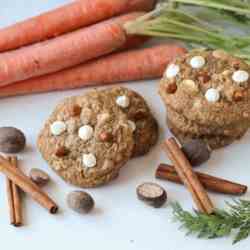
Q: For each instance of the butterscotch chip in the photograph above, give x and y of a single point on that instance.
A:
(105, 137)
(238, 96)
(204, 77)
(76, 110)
(61, 152)
(171, 88)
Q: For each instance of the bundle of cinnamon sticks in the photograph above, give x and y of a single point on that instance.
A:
(196, 182)
(16, 181)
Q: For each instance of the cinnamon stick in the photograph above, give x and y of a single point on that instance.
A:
(187, 175)
(21, 180)
(212, 183)
(10, 200)
(16, 197)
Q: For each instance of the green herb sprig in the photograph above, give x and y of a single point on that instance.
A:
(175, 19)
(234, 220)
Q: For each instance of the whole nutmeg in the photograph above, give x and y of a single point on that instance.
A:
(12, 140)
(197, 151)
(39, 177)
(80, 202)
(152, 194)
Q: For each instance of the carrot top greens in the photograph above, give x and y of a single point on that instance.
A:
(210, 23)
(235, 220)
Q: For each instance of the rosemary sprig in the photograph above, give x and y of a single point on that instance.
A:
(236, 219)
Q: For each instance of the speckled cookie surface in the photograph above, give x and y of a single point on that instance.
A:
(194, 129)
(210, 88)
(86, 140)
(214, 141)
(137, 111)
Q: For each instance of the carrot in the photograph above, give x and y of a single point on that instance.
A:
(65, 51)
(138, 64)
(67, 18)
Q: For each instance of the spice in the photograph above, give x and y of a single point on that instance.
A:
(21, 180)
(39, 177)
(197, 151)
(152, 194)
(14, 198)
(12, 140)
(187, 175)
(215, 184)
(81, 202)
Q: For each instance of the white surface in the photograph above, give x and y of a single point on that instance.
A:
(120, 221)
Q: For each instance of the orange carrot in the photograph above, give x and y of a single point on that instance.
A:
(67, 18)
(65, 51)
(138, 64)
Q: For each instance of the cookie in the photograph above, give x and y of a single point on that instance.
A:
(87, 139)
(137, 111)
(214, 141)
(210, 88)
(190, 127)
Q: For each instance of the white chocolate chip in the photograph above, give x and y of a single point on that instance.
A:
(122, 101)
(240, 76)
(132, 125)
(57, 128)
(197, 62)
(89, 160)
(85, 132)
(212, 95)
(190, 85)
(172, 71)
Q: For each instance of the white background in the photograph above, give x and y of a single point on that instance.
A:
(119, 220)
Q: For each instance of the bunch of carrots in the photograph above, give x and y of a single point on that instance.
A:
(83, 43)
